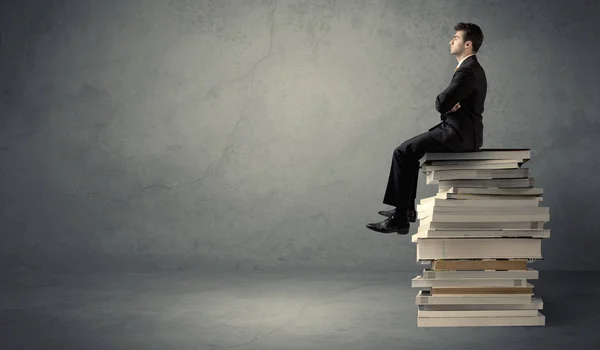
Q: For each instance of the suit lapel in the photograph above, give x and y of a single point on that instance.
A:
(467, 60)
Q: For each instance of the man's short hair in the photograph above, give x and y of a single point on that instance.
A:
(472, 33)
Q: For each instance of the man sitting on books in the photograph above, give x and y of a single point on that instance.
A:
(460, 130)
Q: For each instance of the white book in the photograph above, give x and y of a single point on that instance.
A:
(482, 203)
(532, 191)
(479, 248)
(425, 298)
(481, 154)
(476, 233)
(539, 320)
(429, 262)
(474, 161)
(421, 312)
(499, 165)
(484, 217)
(421, 282)
(482, 274)
(435, 176)
(426, 224)
(468, 196)
(534, 304)
(481, 210)
(490, 183)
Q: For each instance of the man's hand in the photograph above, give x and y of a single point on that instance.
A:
(455, 108)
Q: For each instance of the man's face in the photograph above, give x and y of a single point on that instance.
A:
(457, 44)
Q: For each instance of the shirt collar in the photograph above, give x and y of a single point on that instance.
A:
(464, 58)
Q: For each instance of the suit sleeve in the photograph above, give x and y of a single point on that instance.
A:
(461, 86)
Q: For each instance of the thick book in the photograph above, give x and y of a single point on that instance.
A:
(513, 164)
(435, 176)
(515, 321)
(429, 202)
(480, 234)
(481, 274)
(533, 191)
(489, 183)
(482, 154)
(426, 224)
(427, 298)
(528, 289)
(482, 209)
(422, 312)
(534, 304)
(495, 215)
(496, 197)
(421, 282)
(479, 265)
(479, 248)
(466, 162)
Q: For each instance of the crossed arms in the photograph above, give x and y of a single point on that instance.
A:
(461, 86)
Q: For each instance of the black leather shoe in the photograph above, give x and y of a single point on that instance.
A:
(411, 215)
(388, 226)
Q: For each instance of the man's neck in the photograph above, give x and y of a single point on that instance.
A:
(461, 58)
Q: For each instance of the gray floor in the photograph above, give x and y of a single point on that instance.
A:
(268, 310)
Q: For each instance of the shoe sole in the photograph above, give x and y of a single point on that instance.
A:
(401, 232)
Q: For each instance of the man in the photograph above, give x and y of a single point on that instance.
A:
(461, 130)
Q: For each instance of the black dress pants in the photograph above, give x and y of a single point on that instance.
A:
(404, 173)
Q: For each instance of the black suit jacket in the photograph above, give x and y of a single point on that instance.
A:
(462, 130)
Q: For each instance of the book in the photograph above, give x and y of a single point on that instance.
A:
(485, 217)
(478, 265)
(534, 303)
(439, 215)
(427, 224)
(479, 248)
(433, 177)
(477, 233)
(495, 197)
(429, 202)
(481, 154)
(528, 289)
(481, 274)
(532, 191)
(466, 162)
(482, 210)
(487, 183)
(426, 298)
(425, 168)
(422, 312)
(421, 282)
(538, 320)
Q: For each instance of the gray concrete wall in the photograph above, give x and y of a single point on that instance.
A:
(255, 134)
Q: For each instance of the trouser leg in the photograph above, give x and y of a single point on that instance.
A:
(404, 171)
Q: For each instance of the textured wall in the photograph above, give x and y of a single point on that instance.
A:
(178, 134)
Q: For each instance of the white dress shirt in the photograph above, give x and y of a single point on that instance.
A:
(461, 61)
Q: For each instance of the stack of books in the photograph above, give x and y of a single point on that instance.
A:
(477, 234)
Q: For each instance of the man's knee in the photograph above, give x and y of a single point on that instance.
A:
(400, 150)
(405, 148)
